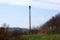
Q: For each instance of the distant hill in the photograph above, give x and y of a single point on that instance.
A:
(52, 26)
(17, 29)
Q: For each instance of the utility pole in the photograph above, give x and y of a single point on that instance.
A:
(29, 19)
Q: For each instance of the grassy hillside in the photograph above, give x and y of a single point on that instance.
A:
(42, 37)
(37, 37)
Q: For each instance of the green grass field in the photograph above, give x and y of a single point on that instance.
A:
(42, 37)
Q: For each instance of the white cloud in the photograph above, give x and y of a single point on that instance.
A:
(55, 1)
(16, 2)
(45, 5)
(48, 4)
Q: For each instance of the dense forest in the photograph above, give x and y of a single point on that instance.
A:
(52, 26)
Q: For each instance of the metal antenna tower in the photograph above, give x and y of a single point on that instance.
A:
(29, 19)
